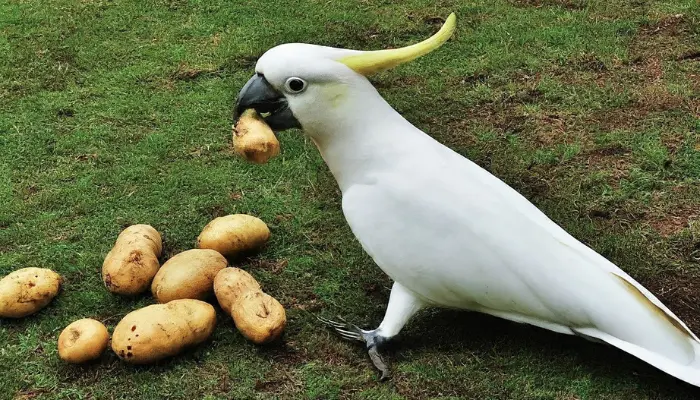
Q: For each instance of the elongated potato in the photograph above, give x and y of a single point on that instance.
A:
(27, 290)
(230, 284)
(159, 331)
(131, 264)
(235, 234)
(82, 341)
(257, 315)
(188, 275)
(253, 138)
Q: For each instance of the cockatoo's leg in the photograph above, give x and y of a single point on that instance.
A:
(403, 304)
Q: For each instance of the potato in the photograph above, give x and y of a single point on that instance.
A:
(159, 331)
(188, 275)
(230, 284)
(233, 235)
(253, 138)
(131, 264)
(82, 341)
(257, 315)
(27, 290)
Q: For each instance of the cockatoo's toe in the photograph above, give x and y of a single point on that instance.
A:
(379, 363)
(372, 339)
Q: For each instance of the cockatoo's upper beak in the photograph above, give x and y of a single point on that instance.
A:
(257, 93)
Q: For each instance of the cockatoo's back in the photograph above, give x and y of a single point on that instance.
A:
(448, 232)
(458, 236)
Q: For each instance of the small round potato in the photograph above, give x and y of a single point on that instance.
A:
(27, 290)
(233, 235)
(230, 284)
(82, 341)
(259, 317)
(253, 139)
(158, 331)
(130, 266)
(188, 275)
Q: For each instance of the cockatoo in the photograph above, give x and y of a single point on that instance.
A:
(447, 232)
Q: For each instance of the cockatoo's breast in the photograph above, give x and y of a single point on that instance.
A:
(448, 245)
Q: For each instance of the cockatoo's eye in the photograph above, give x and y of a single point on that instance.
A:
(295, 85)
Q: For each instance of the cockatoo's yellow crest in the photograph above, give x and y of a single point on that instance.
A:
(370, 62)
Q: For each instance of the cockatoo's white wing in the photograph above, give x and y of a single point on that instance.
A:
(448, 232)
(459, 237)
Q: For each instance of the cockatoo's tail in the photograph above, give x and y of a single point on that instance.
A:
(449, 233)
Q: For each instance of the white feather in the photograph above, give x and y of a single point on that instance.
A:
(457, 236)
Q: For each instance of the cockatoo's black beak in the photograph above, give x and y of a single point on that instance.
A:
(257, 93)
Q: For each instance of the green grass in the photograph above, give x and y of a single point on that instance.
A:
(118, 112)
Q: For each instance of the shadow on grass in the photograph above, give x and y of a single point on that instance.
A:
(496, 341)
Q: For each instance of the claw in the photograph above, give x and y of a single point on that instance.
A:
(343, 327)
(331, 323)
(350, 335)
(352, 332)
(379, 363)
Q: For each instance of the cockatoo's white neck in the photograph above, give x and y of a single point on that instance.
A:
(361, 135)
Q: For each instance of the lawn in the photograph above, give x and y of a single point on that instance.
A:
(119, 112)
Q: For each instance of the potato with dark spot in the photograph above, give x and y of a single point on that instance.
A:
(188, 275)
(131, 264)
(27, 290)
(159, 331)
(233, 235)
(82, 341)
(258, 316)
(253, 138)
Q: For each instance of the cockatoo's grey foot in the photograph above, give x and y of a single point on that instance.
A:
(372, 339)
(403, 304)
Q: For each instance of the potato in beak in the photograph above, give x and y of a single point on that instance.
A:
(254, 139)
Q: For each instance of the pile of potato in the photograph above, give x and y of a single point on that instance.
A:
(182, 317)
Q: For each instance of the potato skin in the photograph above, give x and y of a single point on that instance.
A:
(188, 275)
(259, 317)
(159, 331)
(131, 264)
(142, 233)
(253, 139)
(230, 284)
(232, 235)
(27, 290)
(82, 341)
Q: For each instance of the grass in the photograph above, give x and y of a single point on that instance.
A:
(118, 112)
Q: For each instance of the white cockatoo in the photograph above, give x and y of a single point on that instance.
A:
(447, 232)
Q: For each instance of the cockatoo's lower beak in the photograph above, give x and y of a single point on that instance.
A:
(257, 93)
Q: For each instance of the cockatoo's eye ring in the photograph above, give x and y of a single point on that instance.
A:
(295, 85)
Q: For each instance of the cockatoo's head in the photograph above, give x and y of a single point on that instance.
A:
(297, 84)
